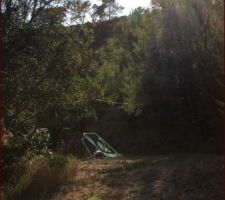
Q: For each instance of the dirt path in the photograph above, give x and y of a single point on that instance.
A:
(186, 177)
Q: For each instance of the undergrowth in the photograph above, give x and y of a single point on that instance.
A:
(43, 176)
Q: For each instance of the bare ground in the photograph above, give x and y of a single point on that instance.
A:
(183, 177)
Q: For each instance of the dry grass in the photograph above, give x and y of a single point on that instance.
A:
(42, 178)
(184, 177)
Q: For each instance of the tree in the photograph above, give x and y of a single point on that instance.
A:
(45, 73)
(50, 17)
(183, 64)
(78, 10)
(107, 10)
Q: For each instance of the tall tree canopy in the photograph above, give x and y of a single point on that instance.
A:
(107, 10)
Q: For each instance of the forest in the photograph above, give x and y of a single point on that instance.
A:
(150, 83)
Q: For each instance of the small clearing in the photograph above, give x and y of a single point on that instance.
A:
(176, 177)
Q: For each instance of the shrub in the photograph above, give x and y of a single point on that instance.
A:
(58, 161)
(39, 142)
(43, 177)
(19, 149)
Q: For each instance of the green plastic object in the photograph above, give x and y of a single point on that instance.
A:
(97, 147)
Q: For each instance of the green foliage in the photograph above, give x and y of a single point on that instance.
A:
(39, 142)
(106, 11)
(121, 61)
(94, 198)
(58, 161)
(181, 68)
(20, 149)
(159, 67)
(79, 10)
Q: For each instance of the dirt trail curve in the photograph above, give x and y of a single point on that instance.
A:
(186, 177)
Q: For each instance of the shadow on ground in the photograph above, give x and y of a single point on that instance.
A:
(176, 177)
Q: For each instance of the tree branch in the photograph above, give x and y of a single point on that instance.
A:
(111, 102)
(36, 12)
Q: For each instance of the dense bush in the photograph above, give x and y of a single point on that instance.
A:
(18, 150)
